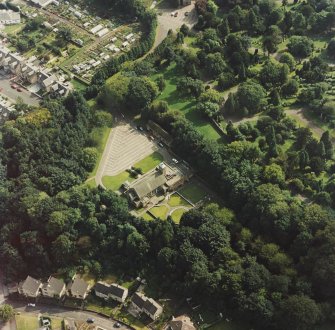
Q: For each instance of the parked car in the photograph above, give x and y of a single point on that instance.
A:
(140, 128)
(186, 13)
(31, 305)
(90, 320)
(13, 86)
(176, 14)
(117, 325)
(161, 144)
(19, 89)
(175, 160)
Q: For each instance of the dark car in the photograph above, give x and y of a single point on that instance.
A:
(90, 320)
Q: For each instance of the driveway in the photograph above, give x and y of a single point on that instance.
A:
(12, 94)
(167, 22)
(126, 146)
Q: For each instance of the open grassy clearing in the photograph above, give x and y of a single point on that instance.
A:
(146, 164)
(150, 162)
(26, 321)
(193, 192)
(177, 214)
(160, 212)
(186, 105)
(115, 182)
(148, 217)
(177, 200)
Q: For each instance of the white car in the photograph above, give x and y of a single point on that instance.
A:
(31, 305)
(175, 160)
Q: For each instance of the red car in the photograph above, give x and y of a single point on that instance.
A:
(19, 89)
(13, 86)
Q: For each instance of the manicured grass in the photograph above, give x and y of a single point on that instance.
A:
(177, 214)
(114, 182)
(26, 322)
(160, 211)
(186, 105)
(177, 200)
(193, 192)
(150, 162)
(11, 29)
(99, 306)
(78, 85)
(100, 135)
(147, 216)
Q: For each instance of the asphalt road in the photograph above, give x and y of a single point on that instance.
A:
(77, 315)
(13, 94)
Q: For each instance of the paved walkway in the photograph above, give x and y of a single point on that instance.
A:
(299, 115)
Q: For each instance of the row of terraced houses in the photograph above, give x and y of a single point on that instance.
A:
(79, 289)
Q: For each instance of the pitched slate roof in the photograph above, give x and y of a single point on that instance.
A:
(102, 288)
(149, 184)
(138, 299)
(54, 286)
(151, 306)
(30, 286)
(182, 323)
(117, 290)
(78, 287)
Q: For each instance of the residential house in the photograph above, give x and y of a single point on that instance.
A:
(182, 322)
(146, 305)
(78, 288)
(29, 287)
(9, 17)
(118, 293)
(54, 288)
(101, 290)
(42, 3)
(114, 291)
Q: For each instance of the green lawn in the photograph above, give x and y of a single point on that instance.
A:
(193, 192)
(146, 164)
(150, 162)
(78, 85)
(100, 136)
(31, 322)
(177, 214)
(115, 182)
(26, 322)
(160, 211)
(186, 105)
(147, 216)
(177, 200)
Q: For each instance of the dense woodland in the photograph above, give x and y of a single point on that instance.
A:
(267, 254)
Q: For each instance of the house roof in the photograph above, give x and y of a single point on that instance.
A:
(151, 306)
(160, 131)
(102, 288)
(9, 15)
(138, 299)
(78, 287)
(30, 286)
(117, 290)
(182, 322)
(54, 286)
(148, 184)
